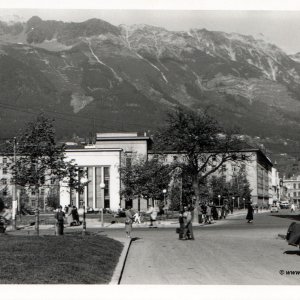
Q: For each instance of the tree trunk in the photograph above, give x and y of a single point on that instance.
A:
(37, 217)
(197, 202)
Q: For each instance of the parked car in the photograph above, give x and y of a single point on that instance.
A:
(274, 208)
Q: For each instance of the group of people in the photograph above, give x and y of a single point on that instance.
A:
(185, 223)
(72, 217)
(209, 212)
(131, 217)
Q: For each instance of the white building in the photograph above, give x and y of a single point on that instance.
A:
(102, 162)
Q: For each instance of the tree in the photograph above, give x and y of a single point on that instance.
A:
(204, 146)
(39, 159)
(144, 178)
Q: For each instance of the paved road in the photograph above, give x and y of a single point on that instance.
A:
(228, 252)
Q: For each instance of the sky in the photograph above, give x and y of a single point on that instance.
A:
(278, 22)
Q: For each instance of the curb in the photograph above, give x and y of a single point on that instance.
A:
(118, 272)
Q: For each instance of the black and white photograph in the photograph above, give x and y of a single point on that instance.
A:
(149, 149)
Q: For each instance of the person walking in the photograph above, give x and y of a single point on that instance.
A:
(204, 211)
(181, 223)
(137, 217)
(188, 227)
(249, 216)
(223, 212)
(214, 212)
(209, 214)
(128, 221)
(59, 216)
(152, 211)
(75, 215)
(69, 215)
(293, 208)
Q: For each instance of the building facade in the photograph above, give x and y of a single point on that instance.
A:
(291, 188)
(102, 161)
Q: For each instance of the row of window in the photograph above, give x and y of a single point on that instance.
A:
(295, 194)
(5, 181)
(42, 192)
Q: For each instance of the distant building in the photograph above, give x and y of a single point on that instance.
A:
(292, 189)
(258, 170)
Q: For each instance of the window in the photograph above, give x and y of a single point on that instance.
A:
(224, 168)
(33, 193)
(52, 180)
(4, 181)
(4, 171)
(298, 185)
(42, 192)
(295, 186)
(243, 156)
(295, 194)
(4, 160)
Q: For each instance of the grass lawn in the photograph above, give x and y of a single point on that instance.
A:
(68, 259)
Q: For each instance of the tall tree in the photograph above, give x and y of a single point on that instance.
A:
(144, 178)
(40, 159)
(204, 145)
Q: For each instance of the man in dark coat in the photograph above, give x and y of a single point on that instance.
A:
(59, 216)
(249, 216)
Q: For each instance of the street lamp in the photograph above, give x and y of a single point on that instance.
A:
(233, 202)
(83, 181)
(219, 197)
(244, 203)
(102, 187)
(164, 192)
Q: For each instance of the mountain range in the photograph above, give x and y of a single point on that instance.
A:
(93, 76)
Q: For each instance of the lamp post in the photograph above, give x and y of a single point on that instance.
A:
(102, 186)
(83, 181)
(244, 203)
(233, 202)
(164, 192)
(219, 197)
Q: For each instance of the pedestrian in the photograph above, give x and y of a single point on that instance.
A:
(188, 227)
(204, 211)
(152, 211)
(293, 207)
(214, 212)
(69, 215)
(137, 218)
(249, 216)
(75, 215)
(223, 212)
(59, 216)
(128, 221)
(208, 214)
(181, 223)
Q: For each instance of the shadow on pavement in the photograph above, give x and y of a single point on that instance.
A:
(135, 239)
(297, 252)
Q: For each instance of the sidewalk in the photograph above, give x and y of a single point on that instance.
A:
(96, 223)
